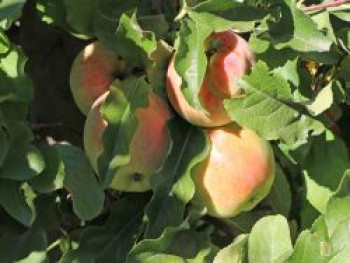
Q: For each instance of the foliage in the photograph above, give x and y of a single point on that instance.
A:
(53, 207)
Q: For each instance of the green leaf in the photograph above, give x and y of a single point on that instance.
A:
(5, 44)
(176, 245)
(79, 14)
(270, 240)
(322, 180)
(235, 252)
(35, 257)
(323, 100)
(52, 177)
(338, 207)
(308, 248)
(13, 200)
(296, 30)
(23, 162)
(80, 181)
(15, 84)
(238, 18)
(141, 44)
(5, 144)
(172, 185)
(13, 248)
(215, 5)
(112, 241)
(156, 23)
(341, 236)
(190, 59)
(156, 73)
(119, 111)
(245, 221)
(106, 22)
(14, 111)
(341, 257)
(11, 10)
(266, 108)
(280, 197)
(289, 72)
(216, 23)
(52, 12)
(316, 194)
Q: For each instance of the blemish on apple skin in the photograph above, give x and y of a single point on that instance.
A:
(137, 177)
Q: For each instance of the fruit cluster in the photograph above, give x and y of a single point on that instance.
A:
(239, 169)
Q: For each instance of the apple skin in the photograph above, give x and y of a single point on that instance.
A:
(148, 148)
(236, 175)
(231, 59)
(92, 72)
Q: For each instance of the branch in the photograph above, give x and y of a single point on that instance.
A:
(325, 5)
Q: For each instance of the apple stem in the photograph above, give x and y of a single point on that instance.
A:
(324, 5)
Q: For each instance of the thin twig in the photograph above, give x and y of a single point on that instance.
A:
(325, 5)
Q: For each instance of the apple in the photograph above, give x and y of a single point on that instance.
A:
(148, 148)
(230, 59)
(236, 175)
(93, 71)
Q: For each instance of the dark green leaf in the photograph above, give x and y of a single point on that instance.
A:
(80, 181)
(13, 200)
(322, 180)
(13, 248)
(296, 30)
(280, 197)
(79, 15)
(52, 177)
(172, 185)
(178, 245)
(23, 162)
(112, 241)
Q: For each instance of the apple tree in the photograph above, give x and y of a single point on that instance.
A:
(174, 131)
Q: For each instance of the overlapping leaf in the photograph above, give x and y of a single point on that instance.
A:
(267, 107)
(172, 185)
(112, 241)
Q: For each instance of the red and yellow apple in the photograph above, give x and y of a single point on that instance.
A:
(92, 72)
(236, 175)
(148, 148)
(230, 59)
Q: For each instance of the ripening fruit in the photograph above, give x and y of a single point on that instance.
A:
(92, 72)
(148, 148)
(237, 174)
(230, 59)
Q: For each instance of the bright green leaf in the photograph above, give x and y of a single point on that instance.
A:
(235, 252)
(308, 248)
(270, 241)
